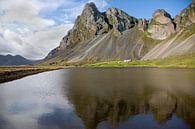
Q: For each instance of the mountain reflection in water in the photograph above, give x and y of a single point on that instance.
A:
(116, 96)
(100, 98)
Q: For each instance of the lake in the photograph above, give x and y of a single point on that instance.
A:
(100, 98)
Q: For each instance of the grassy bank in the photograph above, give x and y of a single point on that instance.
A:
(184, 61)
(16, 72)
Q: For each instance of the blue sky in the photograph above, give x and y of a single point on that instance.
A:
(145, 8)
(32, 28)
(136, 8)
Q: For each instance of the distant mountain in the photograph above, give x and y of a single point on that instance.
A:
(8, 60)
(113, 35)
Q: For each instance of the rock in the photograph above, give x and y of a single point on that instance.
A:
(92, 23)
(161, 16)
(161, 26)
(142, 24)
(119, 20)
(186, 17)
(87, 26)
(114, 35)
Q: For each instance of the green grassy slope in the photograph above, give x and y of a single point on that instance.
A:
(183, 61)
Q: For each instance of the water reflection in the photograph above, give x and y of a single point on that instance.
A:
(60, 119)
(114, 96)
(87, 98)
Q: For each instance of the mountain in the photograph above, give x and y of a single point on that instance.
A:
(182, 41)
(8, 60)
(113, 35)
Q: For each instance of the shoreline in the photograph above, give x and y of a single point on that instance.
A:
(12, 73)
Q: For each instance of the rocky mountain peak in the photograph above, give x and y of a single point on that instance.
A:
(90, 9)
(92, 23)
(119, 20)
(161, 16)
(89, 24)
(186, 17)
(116, 35)
(161, 26)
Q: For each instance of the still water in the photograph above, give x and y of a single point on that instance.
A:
(100, 98)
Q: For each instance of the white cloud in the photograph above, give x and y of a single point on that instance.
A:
(23, 12)
(44, 41)
(32, 28)
(34, 46)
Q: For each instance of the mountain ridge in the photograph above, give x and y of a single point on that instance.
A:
(113, 35)
(8, 60)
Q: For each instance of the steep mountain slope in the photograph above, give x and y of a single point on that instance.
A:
(14, 60)
(113, 35)
(183, 42)
(180, 44)
(132, 44)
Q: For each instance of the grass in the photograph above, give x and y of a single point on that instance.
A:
(184, 61)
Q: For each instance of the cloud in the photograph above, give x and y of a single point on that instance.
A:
(44, 41)
(23, 12)
(32, 28)
(35, 45)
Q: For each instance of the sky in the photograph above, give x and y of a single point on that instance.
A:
(32, 28)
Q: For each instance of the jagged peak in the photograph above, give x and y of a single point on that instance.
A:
(90, 8)
(161, 16)
(186, 17)
(161, 12)
(116, 11)
(113, 10)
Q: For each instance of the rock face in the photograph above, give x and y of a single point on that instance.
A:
(161, 25)
(186, 17)
(119, 20)
(92, 23)
(113, 35)
(143, 24)
(183, 42)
